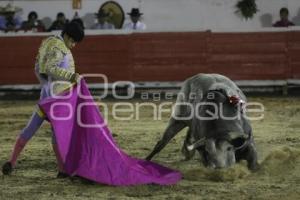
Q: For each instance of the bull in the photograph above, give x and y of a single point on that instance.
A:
(213, 108)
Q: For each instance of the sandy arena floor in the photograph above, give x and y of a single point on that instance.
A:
(277, 137)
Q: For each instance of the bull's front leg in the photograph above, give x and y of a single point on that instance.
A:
(173, 128)
(251, 157)
(188, 154)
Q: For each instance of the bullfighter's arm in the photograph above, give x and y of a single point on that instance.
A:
(54, 57)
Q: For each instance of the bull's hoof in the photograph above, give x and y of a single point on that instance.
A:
(254, 167)
(7, 168)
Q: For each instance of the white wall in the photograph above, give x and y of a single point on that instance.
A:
(172, 15)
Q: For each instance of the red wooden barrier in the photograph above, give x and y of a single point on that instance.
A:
(294, 54)
(165, 56)
(17, 55)
(108, 54)
(168, 56)
(251, 56)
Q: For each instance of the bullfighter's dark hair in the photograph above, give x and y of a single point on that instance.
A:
(74, 30)
(79, 21)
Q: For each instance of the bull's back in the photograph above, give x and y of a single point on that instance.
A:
(200, 84)
(194, 88)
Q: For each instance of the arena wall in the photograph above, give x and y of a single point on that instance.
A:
(165, 56)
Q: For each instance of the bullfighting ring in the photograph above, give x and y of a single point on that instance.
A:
(277, 137)
(264, 59)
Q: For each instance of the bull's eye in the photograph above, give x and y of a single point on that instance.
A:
(238, 142)
(229, 148)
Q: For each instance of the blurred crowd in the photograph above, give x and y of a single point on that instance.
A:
(9, 21)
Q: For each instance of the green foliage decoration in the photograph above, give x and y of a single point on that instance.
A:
(247, 8)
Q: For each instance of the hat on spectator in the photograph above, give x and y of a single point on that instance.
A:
(135, 12)
(10, 9)
(101, 13)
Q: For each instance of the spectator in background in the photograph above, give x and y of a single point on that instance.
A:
(9, 22)
(78, 20)
(102, 21)
(33, 23)
(135, 23)
(284, 19)
(59, 23)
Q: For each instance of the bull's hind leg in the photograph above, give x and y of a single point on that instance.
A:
(188, 154)
(173, 128)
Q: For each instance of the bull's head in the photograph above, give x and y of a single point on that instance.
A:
(220, 153)
(224, 133)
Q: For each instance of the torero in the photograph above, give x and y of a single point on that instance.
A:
(54, 63)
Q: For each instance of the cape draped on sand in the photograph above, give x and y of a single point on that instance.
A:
(91, 151)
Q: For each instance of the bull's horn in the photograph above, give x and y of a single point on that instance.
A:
(196, 144)
(190, 147)
(238, 145)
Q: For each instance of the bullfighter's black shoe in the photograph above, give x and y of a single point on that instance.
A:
(7, 168)
(62, 175)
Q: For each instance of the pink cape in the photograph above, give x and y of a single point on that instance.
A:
(91, 152)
